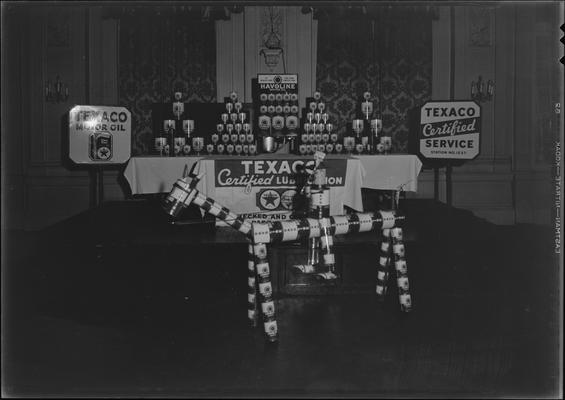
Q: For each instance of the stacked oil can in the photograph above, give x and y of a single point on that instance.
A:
(318, 132)
(177, 136)
(276, 107)
(234, 132)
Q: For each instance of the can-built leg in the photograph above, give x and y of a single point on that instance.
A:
(401, 269)
(265, 291)
(384, 264)
(313, 254)
(251, 286)
(328, 257)
(312, 258)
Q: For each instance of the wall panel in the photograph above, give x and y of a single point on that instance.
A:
(59, 45)
(14, 78)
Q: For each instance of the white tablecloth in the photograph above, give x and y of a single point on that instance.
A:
(154, 174)
(391, 172)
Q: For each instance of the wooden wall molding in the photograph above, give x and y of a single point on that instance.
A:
(51, 190)
(441, 55)
(103, 58)
(488, 195)
(302, 35)
(230, 64)
(46, 63)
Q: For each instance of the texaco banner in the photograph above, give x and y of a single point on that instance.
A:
(263, 189)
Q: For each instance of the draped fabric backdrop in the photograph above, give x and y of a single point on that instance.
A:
(387, 52)
(160, 55)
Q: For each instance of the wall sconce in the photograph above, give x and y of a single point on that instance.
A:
(478, 92)
(57, 92)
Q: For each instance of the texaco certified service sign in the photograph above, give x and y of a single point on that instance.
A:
(450, 130)
(99, 135)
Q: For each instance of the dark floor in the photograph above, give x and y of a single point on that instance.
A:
(108, 305)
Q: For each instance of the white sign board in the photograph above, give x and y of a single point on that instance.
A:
(99, 135)
(278, 82)
(450, 130)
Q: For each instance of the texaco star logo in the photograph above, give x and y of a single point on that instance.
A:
(270, 199)
(103, 153)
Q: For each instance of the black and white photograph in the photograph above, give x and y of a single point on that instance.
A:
(268, 199)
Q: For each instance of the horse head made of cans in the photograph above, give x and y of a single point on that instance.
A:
(392, 250)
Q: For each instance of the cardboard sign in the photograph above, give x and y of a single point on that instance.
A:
(273, 83)
(99, 135)
(450, 130)
(275, 97)
(263, 190)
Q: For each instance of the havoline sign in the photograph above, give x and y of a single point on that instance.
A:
(450, 130)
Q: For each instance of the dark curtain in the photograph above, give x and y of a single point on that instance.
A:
(160, 55)
(387, 51)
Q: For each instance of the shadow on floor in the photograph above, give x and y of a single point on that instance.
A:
(117, 303)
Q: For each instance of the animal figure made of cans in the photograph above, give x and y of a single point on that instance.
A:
(318, 228)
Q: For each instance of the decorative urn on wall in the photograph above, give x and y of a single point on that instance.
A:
(272, 42)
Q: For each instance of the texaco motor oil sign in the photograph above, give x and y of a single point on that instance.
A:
(450, 130)
(99, 135)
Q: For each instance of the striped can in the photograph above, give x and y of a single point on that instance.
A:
(383, 265)
(265, 291)
(251, 287)
(401, 269)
